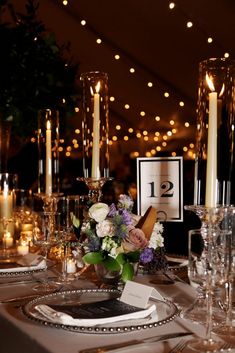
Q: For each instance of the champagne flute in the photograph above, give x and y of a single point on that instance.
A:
(46, 234)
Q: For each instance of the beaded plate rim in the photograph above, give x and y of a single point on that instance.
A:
(101, 329)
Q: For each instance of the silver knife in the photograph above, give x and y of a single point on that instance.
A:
(116, 346)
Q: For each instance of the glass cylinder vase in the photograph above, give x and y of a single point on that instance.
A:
(48, 151)
(8, 184)
(95, 125)
(215, 157)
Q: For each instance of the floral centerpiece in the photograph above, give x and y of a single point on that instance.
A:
(113, 240)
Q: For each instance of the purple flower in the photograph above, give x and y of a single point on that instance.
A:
(112, 210)
(126, 217)
(147, 255)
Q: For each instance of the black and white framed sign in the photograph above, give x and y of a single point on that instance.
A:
(160, 184)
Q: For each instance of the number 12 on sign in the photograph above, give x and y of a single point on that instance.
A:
(159, 184)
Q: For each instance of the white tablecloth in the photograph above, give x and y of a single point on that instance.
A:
(19, 334)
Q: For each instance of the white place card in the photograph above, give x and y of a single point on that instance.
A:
(137, 294)
(160, 184)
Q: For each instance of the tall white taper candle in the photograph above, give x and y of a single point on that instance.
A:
(95, 168)
(211, 167)
(48, 159)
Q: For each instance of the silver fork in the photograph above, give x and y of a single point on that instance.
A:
(178, 347)
(227, 346)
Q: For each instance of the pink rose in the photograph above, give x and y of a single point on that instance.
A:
(135, 240)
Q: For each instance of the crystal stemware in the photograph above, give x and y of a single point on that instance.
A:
(226, 271)
(211, 218)
(46, 234)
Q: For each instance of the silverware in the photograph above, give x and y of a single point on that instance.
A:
(178, 347)
(117, 346)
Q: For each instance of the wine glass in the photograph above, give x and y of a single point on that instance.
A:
(46, 234)
(212, 217)
(197, 262)
(226, 271)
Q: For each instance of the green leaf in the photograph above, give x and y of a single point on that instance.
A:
(133, 256)
(121, 258)
(111, 264)
(93, 257)
(127, 272)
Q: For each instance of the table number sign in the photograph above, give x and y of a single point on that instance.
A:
(160, 184)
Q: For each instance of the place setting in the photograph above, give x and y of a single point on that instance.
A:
(117, 216)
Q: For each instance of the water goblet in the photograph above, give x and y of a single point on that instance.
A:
(212, 218)
(226, 272)
(197, 259)
(196, 274)
(46, 234)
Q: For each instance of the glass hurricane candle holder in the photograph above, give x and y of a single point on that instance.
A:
(214, 162)
(8, 183)
(48, 152)
(95, 132)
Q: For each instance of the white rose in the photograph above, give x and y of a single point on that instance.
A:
(99, 211)
(105, 228)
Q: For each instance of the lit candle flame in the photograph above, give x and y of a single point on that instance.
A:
(48, 125)
(97, 87)
(210, 83)
(212, 87)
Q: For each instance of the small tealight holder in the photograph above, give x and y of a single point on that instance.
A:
(8, 240)
(69, 266)
(23, 246)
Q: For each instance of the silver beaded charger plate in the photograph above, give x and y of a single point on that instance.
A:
(13, 269)
(166, 311)
(176, 261)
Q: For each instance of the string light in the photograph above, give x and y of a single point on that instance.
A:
(132, 70)
(189, 24)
